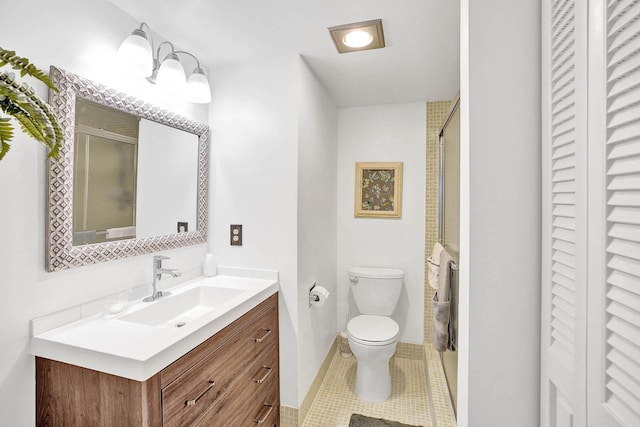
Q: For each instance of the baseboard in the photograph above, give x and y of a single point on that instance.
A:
(317, 382)
(288, 416)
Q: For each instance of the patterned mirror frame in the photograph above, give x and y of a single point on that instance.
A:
(60, 252)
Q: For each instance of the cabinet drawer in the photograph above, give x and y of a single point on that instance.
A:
(252, 386)
(261, 374)
(266, 410)
(180, 366)
(187, 398)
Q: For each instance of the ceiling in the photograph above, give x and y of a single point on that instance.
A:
(419, 63)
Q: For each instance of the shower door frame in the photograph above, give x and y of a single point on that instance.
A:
(455, 105)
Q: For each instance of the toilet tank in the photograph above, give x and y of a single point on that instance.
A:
(376, 290)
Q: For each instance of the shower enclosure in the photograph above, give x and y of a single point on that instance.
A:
(449, 224)
(104, 174)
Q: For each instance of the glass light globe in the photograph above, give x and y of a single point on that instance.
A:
(171, 76)
(198, 89)
(135, 56)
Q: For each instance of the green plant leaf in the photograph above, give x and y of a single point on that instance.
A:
(17, 105)
(34, 116)
(24, 66)
(6, 135)
(32, 127)
(21, 102)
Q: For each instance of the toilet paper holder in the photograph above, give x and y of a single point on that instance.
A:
(314, 298)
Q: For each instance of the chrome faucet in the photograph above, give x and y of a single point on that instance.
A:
(158, 271)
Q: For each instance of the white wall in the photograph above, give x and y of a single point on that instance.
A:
(82, 39)
(254, 115)
(274, 168)
(499, 339)
(317, 185)
(393, 133)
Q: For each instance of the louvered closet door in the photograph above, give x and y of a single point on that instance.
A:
(564, 269)
(614, 294)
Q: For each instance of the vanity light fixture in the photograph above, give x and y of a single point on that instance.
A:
(135, 54)
(136, 57)
(170, 75)
(358, 36)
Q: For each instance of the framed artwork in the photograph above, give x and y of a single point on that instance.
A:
(378, 189)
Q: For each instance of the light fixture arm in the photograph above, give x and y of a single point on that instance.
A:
(157, 62)
(156, 58)
(191, 55)
(148, 33)
(140, 52)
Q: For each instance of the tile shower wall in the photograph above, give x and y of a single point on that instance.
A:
(436, 114)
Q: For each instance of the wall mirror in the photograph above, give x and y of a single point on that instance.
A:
(132, 178)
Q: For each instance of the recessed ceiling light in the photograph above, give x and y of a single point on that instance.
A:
(358, 36)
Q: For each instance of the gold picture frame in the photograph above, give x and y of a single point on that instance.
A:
(378, 192)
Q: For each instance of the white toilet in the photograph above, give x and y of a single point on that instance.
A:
(373, 334)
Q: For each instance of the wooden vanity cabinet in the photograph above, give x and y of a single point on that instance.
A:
(232, 379)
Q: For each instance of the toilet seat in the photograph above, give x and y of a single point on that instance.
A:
(373, 330)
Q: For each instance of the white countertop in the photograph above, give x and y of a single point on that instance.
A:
(137, 351)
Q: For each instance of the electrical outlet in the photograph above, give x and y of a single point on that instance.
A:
(183, 227)
(236, 234)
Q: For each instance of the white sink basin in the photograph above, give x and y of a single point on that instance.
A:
(179, 309)
(140, 342)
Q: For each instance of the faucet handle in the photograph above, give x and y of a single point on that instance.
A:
(157, 260)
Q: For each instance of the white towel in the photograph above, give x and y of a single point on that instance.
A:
(434, 265)
(120, 232)
(443, 280)
(437, 250)
(434, 272)
(440, 326)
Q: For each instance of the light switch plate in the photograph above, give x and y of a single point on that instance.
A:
(236, 234)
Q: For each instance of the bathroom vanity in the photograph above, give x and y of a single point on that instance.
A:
(229, 379)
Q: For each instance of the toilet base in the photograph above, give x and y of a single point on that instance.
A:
(373, 380)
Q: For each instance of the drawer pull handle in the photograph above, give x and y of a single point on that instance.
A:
(264, 418)
(194, 401)
(268, 332)
(264, 377)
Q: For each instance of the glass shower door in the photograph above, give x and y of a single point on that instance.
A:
(449, 226)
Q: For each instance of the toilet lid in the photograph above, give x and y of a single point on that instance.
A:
(374, 329)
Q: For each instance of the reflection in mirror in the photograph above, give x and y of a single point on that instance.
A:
(131, 179)
(167, 180)
(104, 174)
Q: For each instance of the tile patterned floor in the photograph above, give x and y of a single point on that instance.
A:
(288, 416)
(438, 392)
(336, 400)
